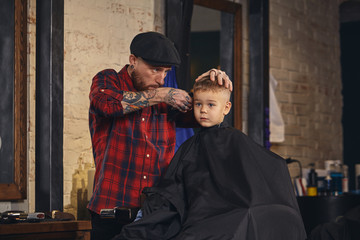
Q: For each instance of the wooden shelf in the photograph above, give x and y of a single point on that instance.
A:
(47, 230)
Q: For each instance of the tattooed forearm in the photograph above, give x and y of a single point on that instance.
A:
(149, 94)
(135, 107)
(134, 101)
(131, 97)
(170, 97)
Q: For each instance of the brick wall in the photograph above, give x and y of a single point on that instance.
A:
(305, 60)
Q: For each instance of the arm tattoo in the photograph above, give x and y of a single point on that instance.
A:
(170, 97)
(135, 107)
(134, 101)
(131, 97)
(149, 94)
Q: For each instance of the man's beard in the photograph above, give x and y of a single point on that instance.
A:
(140, 83)
(137, 81)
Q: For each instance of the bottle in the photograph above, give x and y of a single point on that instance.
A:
(336, 177)
(357, 177)
(321, 186)
(312, 183)
(345, 180)
(328, 185)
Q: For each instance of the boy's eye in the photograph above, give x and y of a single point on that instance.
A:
(197, 104)
(211, 104)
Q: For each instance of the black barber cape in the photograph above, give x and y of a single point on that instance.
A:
(220, 185)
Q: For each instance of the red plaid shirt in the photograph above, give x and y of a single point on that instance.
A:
(131, 150)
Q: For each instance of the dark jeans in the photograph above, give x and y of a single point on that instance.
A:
(103, 229)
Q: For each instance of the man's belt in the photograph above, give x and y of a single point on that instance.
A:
(120, 214)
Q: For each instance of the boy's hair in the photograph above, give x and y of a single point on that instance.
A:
(205, 84)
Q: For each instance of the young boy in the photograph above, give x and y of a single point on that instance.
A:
(220, 185)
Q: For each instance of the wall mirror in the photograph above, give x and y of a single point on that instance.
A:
(216, 41)
(13, 100)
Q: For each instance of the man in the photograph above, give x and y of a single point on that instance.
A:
(132, 126)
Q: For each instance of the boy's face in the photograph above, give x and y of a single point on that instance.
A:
(210, 107)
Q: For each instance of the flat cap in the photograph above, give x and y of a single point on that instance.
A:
(155, 49)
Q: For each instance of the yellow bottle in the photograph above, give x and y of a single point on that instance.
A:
(312, 191)
(312, 183)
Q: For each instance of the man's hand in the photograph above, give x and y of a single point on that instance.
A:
(218, 75)
(178, 99)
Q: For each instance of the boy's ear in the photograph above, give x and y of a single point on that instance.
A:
(227, 108)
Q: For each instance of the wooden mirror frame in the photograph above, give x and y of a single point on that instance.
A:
(17, 190)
